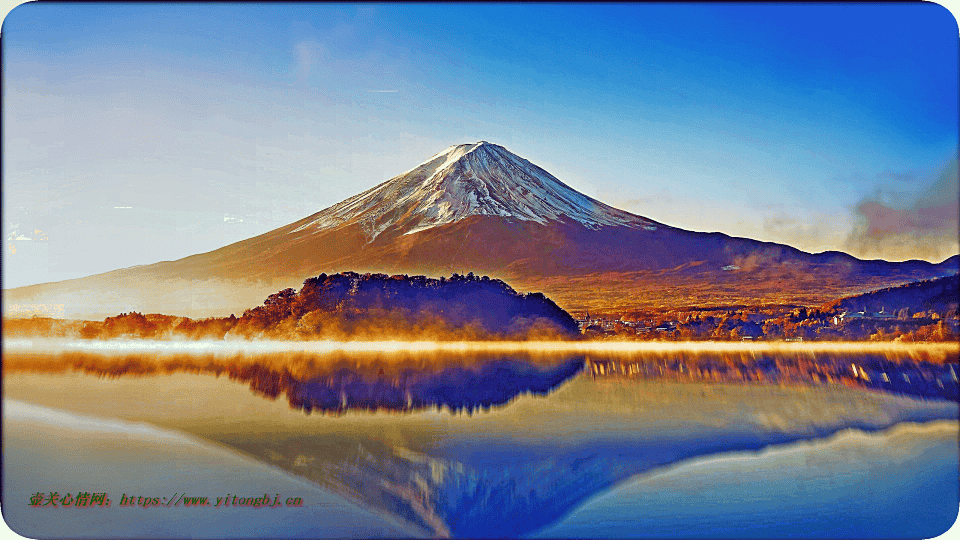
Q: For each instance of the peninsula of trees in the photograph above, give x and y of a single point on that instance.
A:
(349, 306)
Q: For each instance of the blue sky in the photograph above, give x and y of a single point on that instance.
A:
(148, 132)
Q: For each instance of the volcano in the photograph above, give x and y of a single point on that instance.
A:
(480, 208)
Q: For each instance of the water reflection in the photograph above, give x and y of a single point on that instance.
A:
(885, 373)
(508, 473)
(406, 381)
(464, 387)
(336, 383)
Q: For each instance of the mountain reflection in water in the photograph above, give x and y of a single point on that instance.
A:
(520, 468)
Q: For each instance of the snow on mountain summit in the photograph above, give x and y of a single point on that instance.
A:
(469, 180)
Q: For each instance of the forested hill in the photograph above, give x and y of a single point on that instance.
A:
(369, 303)
(347, 306)
(939, 296)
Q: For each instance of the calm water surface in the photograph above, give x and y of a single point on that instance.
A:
(666, 444)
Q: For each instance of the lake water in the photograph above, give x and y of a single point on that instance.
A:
(483, 443)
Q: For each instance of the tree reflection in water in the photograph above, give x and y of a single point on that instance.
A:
(339, 382)
(459, 387)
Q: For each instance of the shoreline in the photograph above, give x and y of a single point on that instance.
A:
(540, 347)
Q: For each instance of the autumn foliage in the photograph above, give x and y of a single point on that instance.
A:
(349, 306)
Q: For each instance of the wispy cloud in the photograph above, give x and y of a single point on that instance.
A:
(308, 54)
(383, 91)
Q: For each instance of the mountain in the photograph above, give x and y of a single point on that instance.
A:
(467, 180)
(478, 207)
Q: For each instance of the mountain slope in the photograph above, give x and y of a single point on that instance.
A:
(480, 179)
(478, 207)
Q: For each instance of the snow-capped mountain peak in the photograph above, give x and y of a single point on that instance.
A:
(469, 180)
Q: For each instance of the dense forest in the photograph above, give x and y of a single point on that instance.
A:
(349, 306)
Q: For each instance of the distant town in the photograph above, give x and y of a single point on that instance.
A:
(761, 323)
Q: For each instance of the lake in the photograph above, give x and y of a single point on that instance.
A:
(469, 440)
